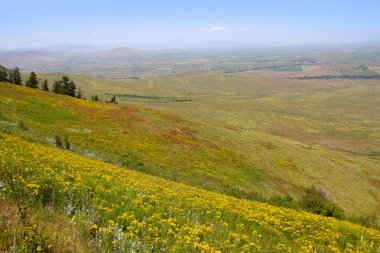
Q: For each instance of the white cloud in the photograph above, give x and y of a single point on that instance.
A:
(243, 28)
(223, 29)
(219, 29)
(95, 32)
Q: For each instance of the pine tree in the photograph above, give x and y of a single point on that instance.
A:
(10, 74)
(45, 85)
(57, 87)
(15, 76)
(71, 89)
(95, 98)
(3, 74)
(79, 93)
(65, 87)
(32, 81)
(113, 100)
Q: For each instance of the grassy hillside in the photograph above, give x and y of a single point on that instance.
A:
(288, 134)
(312, 111)
(112, 209)
(141, 139)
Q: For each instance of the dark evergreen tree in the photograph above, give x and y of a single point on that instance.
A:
(10, 75)
(45, 85)
(57, 87)
(79, 93)
(113, 100)
(71, 87)
(3, 74)
(15, 76)
(64, 83)
(64, 86)
(32, 81)
(68, 86)
(65, 79)
(95, 98)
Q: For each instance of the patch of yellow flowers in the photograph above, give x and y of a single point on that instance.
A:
(131, 210)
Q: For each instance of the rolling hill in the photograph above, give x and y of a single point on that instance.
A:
(233, 156)
(326, 131)
(64, 202)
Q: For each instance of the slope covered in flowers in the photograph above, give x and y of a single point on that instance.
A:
(128, 210)
(216, 158)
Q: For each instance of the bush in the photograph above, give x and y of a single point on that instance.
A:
(286, 201)
(67, 142)
(316, 201)
(58, 141)
(21, 125)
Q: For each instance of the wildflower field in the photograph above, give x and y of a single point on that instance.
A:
(233, 157)
(125, 178)
(128, 211)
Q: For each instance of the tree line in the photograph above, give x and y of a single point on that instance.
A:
(328, 77)
(10, 75)
(65, 86)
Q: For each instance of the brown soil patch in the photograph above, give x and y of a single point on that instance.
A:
(284, 186)
(375, 182)
(334, 143)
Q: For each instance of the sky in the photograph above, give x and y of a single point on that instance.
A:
(185, 23)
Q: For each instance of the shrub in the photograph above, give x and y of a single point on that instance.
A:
(67, 142)
(284, 201)
(316, 201)
(21, 125)
(58, 141)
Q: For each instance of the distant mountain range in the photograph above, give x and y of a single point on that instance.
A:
(126, 62)
(60, 57)
(63, 47)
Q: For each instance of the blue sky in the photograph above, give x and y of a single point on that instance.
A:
(154, 24)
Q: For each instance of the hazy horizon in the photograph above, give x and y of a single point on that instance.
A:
(187, 24)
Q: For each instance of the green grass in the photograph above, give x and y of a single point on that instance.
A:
(154, 98)
(42, 111)
(294, 67)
